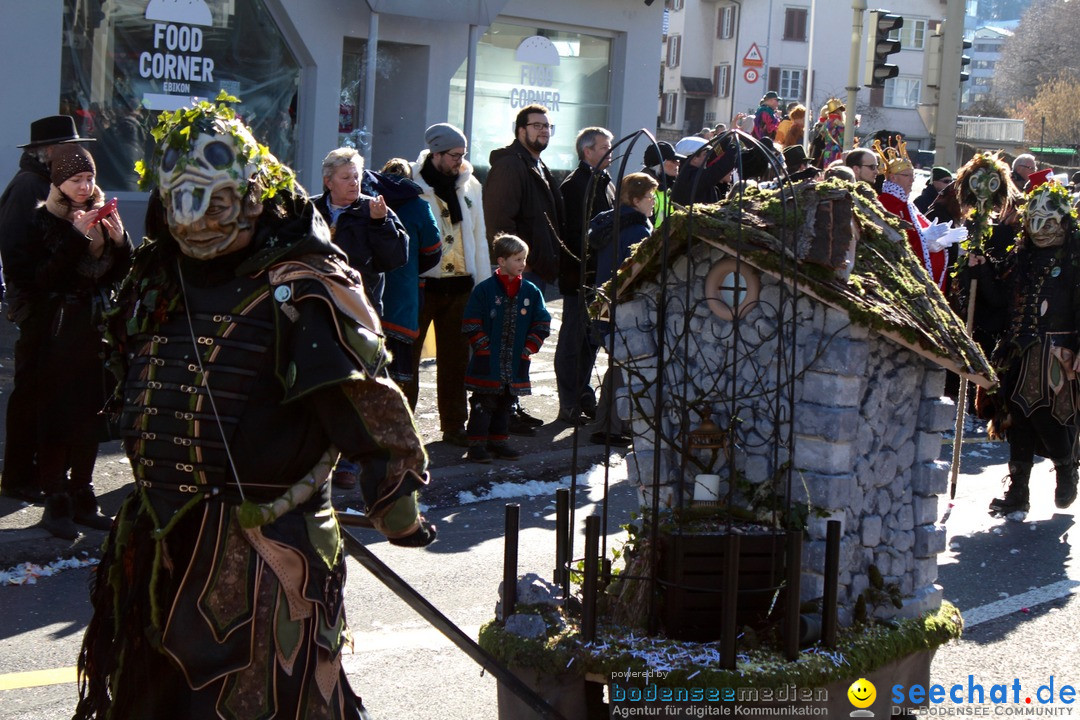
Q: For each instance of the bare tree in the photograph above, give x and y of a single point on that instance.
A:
(1046, 42)
(1054, 101)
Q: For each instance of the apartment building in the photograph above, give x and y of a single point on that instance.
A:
(721, 56)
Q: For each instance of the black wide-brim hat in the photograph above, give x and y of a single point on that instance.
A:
(54, 130)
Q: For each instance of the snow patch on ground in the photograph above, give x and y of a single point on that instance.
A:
(593, 479)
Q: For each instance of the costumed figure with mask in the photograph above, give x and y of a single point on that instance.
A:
(927, 240)
(827, 137)
(1038, 286)
(250, 358)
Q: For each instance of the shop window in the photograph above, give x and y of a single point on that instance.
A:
(123, 66)
(568, 72)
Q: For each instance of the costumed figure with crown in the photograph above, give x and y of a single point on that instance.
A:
(1037, 286)
(250, 359)
(827, 143)
(928, 240)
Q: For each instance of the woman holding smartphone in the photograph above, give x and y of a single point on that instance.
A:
(80, 252)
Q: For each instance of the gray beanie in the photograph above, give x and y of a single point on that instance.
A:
(441, 137)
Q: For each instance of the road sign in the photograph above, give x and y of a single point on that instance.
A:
(753, 57)
(750, 75)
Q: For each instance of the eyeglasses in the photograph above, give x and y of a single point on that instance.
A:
(455, 156)
(538, 126)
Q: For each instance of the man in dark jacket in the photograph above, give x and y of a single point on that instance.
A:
(24, 193)
(939, 178)
(575, 353)
(521, 198)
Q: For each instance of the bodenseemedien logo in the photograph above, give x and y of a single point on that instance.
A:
(862, 694)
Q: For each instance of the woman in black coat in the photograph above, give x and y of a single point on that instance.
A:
(80, 252)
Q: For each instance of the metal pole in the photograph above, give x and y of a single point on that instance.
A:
(369, 86)
(857, 8)
(794, 591)
(810, 114)
(1042, 135)
(729, 603)
(952, 47)
(590, 583)
(510, 560)
(832, 578)
(470, 81)
(562, 531)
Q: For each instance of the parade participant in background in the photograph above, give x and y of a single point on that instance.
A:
(790, 130)
(506, 322)
(766, 119)
(827, 135)
(79, 252)
(928, 240)
(21, 198)
(456, 199)
(251, 357)
(1038, 285)
(1022, 166)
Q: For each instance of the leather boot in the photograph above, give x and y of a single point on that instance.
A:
(85, 510)
(57, 518)
(1016, 497)
(1065, 492)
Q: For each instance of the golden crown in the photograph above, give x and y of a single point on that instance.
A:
(893, 159)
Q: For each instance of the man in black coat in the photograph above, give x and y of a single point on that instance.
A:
(24, 193)
(575, 353)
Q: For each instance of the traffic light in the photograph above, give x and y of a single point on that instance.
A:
(879, 47)
(965, 60)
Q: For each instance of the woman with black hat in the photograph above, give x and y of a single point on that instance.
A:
(79, 250)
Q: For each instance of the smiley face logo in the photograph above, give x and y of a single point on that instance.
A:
(862, 693)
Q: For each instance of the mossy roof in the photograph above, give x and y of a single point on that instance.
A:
(888, 290)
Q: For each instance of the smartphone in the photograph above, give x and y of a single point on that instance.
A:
(104, 211)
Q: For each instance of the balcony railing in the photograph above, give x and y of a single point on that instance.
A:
(986, 129)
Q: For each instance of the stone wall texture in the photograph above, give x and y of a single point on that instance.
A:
(859, 417)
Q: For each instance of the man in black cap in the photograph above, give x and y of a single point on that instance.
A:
(939, 179)
(662, 163)
(24, 193)
(765, 119)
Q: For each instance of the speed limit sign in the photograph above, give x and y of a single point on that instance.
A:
(750, 75)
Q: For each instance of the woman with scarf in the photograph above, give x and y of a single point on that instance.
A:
(80, 254)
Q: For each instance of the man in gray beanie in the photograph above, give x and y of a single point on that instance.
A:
(446, 180)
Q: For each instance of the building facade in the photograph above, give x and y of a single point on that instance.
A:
(300, 68)
(987, 43)
(721, 56)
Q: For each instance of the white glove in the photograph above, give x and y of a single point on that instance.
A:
(951, 236)
(934, 232)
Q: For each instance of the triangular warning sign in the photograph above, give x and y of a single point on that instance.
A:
(753, 57)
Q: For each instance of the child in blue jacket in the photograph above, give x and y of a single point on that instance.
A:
(506, 322)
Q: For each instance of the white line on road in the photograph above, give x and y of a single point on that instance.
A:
(1006, 606)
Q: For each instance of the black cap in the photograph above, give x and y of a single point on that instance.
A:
(794, 156)
(53, 130)
(666, 152)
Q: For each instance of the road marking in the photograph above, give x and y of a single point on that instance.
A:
(37, 678)
(1006, 606)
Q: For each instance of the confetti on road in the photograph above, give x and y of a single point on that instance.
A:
(28, 573)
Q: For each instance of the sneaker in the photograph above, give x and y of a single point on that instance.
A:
(520, 414)
(456, 437)
(502, 451)
(343, 480)
(478, 454)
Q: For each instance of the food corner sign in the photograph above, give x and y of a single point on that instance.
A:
(538, 58)
(174, 61)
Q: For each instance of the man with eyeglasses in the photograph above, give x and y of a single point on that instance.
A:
(1023, 166)
(447, 183)
(864, 163)
(523, 199)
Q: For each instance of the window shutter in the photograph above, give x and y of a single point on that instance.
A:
(789, 24)
(774, 79)
(800, 27)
